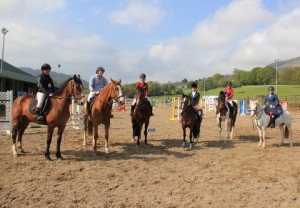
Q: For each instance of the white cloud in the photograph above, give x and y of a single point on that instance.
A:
(139, 15)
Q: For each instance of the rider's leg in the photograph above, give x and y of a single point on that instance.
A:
(40, 100)
(272, 121)
(151, 106)
(132, 106)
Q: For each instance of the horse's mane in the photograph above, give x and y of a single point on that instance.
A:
(141, 92)
(221, 96)
(63, 86)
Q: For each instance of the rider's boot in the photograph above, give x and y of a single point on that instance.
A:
(40, 117)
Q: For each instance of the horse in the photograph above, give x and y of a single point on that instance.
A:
(262, 120)
(223, 115)
(189, 120)
(101, 108)
(58, 115)
(141, 116)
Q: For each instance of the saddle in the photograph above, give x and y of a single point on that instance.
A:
(45, 107)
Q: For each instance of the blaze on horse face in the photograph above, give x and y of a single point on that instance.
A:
(118, 93)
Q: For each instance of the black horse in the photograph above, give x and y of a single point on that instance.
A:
(141, 115)
(189, 120)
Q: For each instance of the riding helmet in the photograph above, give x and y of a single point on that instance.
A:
(100, 68)
(45, 67)
(194, 85)
(229, 83)
(271, 88)
(143, 76)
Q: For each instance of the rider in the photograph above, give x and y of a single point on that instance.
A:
(96, 84)
(194, 98)
(45, 88)
(273, 107)
(228, 96)
(143, 85)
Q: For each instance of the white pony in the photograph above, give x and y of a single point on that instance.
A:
(262, 121)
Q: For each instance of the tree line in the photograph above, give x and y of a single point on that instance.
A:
(257, 76)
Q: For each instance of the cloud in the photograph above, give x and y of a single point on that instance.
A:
(139, 15)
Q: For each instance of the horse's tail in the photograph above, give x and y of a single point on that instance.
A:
(286, 132)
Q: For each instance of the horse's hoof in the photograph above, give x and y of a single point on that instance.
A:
(48, 159)
(16, 155)
(190, 147)
(183, 144)
(291, 145)
(107, 151)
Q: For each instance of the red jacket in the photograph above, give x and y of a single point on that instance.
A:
(143, 85)
(229, 93)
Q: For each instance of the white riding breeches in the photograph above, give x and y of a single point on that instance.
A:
(40, 99)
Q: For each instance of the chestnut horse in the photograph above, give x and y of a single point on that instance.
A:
(140, 116)
(58, 115)
(223, 115)
(101, 112)
(189, 120)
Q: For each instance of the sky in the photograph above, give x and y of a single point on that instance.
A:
(168, 40)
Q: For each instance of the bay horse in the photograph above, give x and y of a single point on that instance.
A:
(141, 116)
(189, 120)
(262, 120)
(101, 112)
(223, 115)
(58, 115)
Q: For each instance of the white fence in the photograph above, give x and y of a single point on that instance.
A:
(6, 101)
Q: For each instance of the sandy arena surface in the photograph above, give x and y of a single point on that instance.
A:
(234, 174)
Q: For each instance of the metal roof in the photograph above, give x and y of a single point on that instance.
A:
(11, 72)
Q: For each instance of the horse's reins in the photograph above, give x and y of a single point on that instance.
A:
(72, 92)
(257, 117)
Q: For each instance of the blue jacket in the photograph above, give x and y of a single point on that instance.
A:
(273, 105)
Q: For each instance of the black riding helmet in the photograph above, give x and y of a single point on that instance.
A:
(45, 67)
(271, 88)
(143, 76)
(100, 68)
(194, 85)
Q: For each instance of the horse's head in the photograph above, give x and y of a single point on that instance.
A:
(116, 93)
(221, 100)
(72, 88)
(254, 107)
(77, 88)
(185, 100)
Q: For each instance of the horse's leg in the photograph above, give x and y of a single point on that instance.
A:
(49, 140)
(59, 136)
(139, 135)
(95, 138)
(184, 135)
(23, 125)
(290, 136)
(227, 129)
(15, 128)
(219, 120)
(263, 137)
(145, 131)
(259, 136)
(191, 138)
(85, 131)
(281, 128)
(106, 137)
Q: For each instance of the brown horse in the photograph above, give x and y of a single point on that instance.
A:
(58, 114)
(223, 115)
(140, 116)
(189, 120)
(101, 112)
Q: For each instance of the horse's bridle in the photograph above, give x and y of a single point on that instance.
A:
(72, 92)
(256, 113)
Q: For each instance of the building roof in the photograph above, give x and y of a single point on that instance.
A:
(11, 72)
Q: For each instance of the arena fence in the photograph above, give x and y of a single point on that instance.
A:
(6, 101)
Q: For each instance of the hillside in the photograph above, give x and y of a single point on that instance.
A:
(54, 75)
(287, 64)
